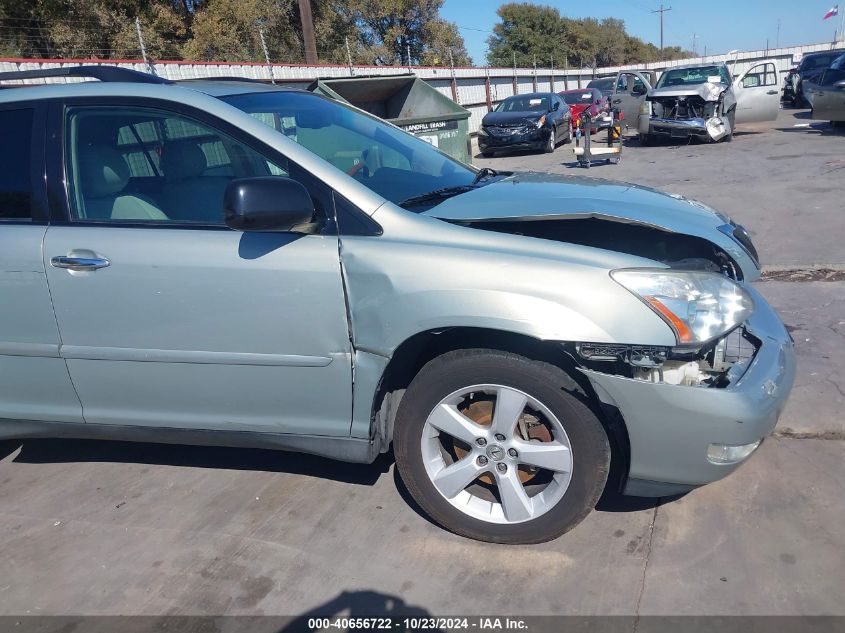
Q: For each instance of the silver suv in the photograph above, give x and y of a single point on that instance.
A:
(231, 263)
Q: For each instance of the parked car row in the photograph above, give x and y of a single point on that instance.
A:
(827, 96)
(698, 101)
(801, 80)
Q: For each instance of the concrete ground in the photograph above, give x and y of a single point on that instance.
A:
(113, 528)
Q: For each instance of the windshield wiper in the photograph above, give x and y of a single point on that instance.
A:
(437, 194)
(484, 172)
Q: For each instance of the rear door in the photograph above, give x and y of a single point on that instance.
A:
(34, 382)
(629, 92)
(170, 319)
(758, 93)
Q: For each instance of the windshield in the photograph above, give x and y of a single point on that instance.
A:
(526, 103)
(573, 98)
(694, 76)
(394, 164)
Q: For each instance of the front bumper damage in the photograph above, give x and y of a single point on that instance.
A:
(671, 427)
(529, 137)
(713, 128)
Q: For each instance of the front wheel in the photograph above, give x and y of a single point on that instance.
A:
(500, 448)
(550, 144)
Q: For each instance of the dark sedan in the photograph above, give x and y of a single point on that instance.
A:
(537, 121)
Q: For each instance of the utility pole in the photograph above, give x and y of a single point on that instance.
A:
(661, 11)
(453, 84)
(349, 56)
(694, 38)
(777, 37)
(308, 31)
(408, 49)
(147, 63)
(266, 51)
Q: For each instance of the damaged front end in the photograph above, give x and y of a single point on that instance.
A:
(700, 112)
(716, 365)
(694, 414)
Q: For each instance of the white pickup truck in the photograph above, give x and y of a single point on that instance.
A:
(701, 100)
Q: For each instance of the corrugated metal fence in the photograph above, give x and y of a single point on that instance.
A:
(476, 89)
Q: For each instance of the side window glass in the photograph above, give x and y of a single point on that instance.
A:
(146, 165)
(15, 163)
(762, 75)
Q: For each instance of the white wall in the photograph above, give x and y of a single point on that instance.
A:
(471, 85)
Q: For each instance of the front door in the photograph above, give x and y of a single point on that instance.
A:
(758, 94)
(629, 92)
(170, 319)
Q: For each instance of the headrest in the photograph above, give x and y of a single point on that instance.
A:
(182, 159)
(103, 171)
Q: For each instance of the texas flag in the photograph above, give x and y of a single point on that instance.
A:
(833, 11)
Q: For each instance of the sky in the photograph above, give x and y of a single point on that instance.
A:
(727, 25)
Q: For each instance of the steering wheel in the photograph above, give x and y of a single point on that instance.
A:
(359, 168)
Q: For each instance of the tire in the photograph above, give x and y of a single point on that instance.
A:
(550, 144)
(487, 154)
(645, 140)
(560, 501)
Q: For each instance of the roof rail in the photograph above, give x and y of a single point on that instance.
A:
(103, 73)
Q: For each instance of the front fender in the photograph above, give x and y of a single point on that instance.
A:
(441, 275)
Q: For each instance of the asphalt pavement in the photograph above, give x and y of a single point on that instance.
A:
(113, 528)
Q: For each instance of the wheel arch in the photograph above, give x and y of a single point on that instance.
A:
(417, 350)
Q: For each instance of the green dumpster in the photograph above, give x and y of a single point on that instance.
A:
(408, 102)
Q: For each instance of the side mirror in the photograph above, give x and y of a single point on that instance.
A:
(840, 85)
(638, 90)
(556, 106)
(268, 203)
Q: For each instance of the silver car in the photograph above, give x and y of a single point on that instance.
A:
(231, 263)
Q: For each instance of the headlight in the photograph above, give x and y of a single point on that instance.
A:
(698, 306)
(541, 120)
(482, 132)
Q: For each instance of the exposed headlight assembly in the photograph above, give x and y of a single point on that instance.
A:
(698, 306)
(541, 121)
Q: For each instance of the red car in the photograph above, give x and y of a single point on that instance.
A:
(584, 99)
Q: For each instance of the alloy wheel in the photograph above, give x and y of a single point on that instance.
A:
(497, 454)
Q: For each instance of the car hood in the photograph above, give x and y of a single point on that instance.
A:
(707, 91)
(511, 118)
(524, 197)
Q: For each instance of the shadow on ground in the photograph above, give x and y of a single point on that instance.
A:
(41, 451)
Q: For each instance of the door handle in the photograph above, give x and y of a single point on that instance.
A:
(79, 263)
(771, 92)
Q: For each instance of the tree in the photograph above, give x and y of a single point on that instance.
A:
(228, 30)
(527, 31)
(388, 29)
(91, 28)
(377, 31)
(531, 31)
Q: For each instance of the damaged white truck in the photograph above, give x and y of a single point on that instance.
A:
(700, 101)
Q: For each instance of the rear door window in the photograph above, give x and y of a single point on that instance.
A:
(16, 185)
